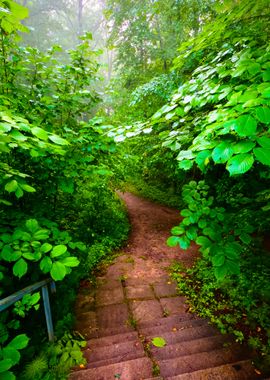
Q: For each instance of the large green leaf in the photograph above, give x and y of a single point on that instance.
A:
(32, 225)
(5, 365)
(222, 152)
(58, 140)
(262, 155)
(184, 242)
(264, 142)
(19, 342)
(173, 241)
(58, 271)
(58, 250)
(240, 164)
(12, 354)
(40, 133)
(245, 125)
(46, 264)
(243, 147)
(263, 114)
(71, 261)
(20, 268)
(11, 186)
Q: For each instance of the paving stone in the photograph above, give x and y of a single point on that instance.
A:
(84, 303)
(242, 370)
(173, 327)
(137, 369)
(120, 351)
(116, 271)
(185, 334)
(113, 338)
(112, 315)
(144, 280)
(109, 296)
(146, 310)
(105, 283)
(199, 361)
(174, 306)
(170, 321)
(139, 292)
(86, 323)
(106, 332)
(167, 289)
(189, 347)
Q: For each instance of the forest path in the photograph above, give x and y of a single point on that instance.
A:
(135, 301)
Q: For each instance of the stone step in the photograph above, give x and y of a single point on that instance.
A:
(242, 370)
(189, 347)
(116, 359)
(102, 332)
(109, 340)
(136, 369)
(201, 360)
(94, 354)
(171, 320)
(185, 334)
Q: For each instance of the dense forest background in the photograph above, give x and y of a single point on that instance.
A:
(170, 100)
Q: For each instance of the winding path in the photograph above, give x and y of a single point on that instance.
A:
(135, 301)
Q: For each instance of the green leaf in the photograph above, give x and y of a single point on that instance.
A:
(264, 142)
(41, 234)
(177, 230)
(5, 365)
(240, 164)
(220, 272)
(184, 242)
(32, 225)
(40, 133)
(159, 342)
(46, 247)
(58, 250)
(11, 186)
(20, 268)
(8, 376)
(58, 271)
(71, 261)
(27, 188)
(19, 342)
(185, 155)
(263, 114)
(203, 241)
(173, 241)
(202, 159)
(46, 264)
(185, 164)
(9, 254)
(186, 212)
(262, 155)
(58, 140)
(12, 354)
(218, 260)
(192, 233)
(243, 147)
(222, 152)
(245, 125)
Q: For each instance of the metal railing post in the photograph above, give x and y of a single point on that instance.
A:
(48, 314)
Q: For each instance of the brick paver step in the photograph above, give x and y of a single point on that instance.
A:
(171, 320)
(242, 370)
(201, 360)
(116, 359)
(95, 353)
(189, 347)
(110, 339)
(186, 330)
(136, 369)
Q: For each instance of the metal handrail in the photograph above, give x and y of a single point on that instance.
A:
(10, 300)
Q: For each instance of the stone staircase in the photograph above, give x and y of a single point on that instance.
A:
(121, 315)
